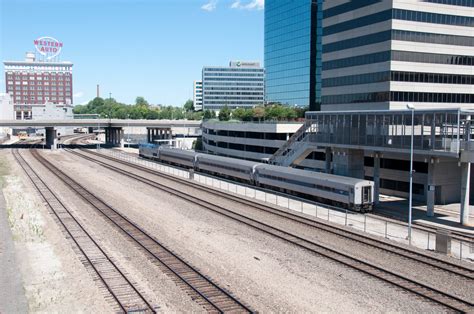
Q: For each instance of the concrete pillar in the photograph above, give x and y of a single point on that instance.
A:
(348, 162)
(328, 158)
(22, 115)
(113, 136)
(50, 137)
(376, 178)
(465, 185)
(430, 191)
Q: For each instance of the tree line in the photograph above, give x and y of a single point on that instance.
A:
(110, 108)
(260, 113)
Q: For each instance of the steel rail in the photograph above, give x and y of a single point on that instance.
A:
(443, 298)
(215, 296)
(405, 252)
(42, 187)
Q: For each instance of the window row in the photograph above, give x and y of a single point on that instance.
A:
(401, 35)
(38, 73)
(436, 78)
(431, 38)
(41, 93)
(435, 18)
(232, 79)
(40, 98)
(235, 93)
(399, 14)
(234, 88)
(398, 96)
(417, 77)
(433, 97)
(38, 78)
(232, 98)
(305, 184)
(36, 88)
(212, 74)
(463, 3)
(406, 56)
(347, 7)
(432, 58)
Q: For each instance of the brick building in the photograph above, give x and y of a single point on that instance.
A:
(33, 82)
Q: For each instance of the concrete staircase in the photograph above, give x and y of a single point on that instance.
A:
(296, 149)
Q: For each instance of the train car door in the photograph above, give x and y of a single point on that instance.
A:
(366, 194)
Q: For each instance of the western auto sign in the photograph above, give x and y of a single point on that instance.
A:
(48, 47)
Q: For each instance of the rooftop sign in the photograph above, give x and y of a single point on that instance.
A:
(245, 64)
(48, 47)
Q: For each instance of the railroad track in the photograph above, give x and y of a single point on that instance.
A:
(400, 250)
(200, 288)
(75, 139)
(457, 235)
(401, 281)
(119, 290)
(385, 215)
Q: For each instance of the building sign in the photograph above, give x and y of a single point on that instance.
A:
(48, 47)
(239, 64)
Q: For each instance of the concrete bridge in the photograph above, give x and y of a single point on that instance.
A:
(113, 127)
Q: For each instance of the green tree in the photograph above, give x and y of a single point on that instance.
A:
(208, 114)
(258, 113)
(189, 105)
(224, 114)
(197, 144)
(238, 113)
(243, 114)
(140, 101)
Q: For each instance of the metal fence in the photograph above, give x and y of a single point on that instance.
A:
(395, 231)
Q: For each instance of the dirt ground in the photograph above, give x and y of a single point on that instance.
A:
(54, 280)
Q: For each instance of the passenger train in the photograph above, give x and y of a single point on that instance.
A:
(351, 193)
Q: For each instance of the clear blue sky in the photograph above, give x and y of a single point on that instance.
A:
(149, 48)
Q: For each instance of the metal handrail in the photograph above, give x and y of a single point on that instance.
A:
(298, 136)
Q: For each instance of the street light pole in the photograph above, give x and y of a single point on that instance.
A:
(410, 206)
(128, 134)
(98, 134)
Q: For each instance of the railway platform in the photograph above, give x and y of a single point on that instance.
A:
(445, 216)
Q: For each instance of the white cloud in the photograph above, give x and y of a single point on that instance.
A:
(249, 5)
(210, 6)
(78, 95)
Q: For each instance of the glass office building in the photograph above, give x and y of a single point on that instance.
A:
(384, 54)
(292, 52)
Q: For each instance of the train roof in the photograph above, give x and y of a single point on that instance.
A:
(229, 159)
(311, 174)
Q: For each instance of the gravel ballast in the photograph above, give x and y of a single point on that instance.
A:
(264, 272)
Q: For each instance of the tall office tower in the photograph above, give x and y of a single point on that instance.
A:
(293, 52)
(385, 54)
(240, 85)
(33, 82)
(197, 95)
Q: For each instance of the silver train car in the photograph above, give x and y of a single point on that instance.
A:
(178, 157)
(351, 193)
(227, 167)
(342, 191)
